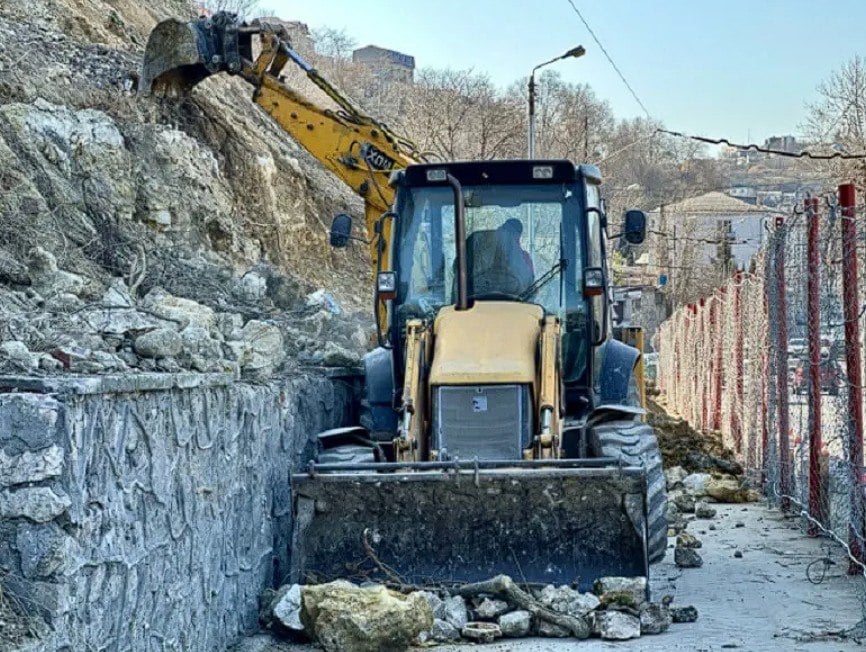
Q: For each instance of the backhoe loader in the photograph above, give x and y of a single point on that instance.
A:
(498, 430)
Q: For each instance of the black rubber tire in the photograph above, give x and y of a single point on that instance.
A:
(634, 442)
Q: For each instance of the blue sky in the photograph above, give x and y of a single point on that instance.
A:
(734, 68)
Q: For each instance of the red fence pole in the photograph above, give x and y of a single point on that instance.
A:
(850, 304)
(737, 415)
(717, 407)
(782, 368)
(813, 257)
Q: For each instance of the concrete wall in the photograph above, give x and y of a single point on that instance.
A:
(148, 512)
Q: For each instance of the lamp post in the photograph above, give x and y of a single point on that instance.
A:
(573, 52)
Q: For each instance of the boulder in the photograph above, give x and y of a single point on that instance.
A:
(655, 618)
(567, 601)
(626, 591)
(286, 607)
(687, 557)
(481, 632)
(696, 483)
(48, 279)
(158, 343)
(704, 510)
(728, 490)
(674, 477)
(615, 625)
(684, 614)
(488, 609)
(685, 503)
(454, 611)
(687, 540)
(515, 624)
(341, 616)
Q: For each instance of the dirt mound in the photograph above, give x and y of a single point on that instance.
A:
(682, 445)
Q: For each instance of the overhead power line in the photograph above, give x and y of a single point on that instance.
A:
(610, 59)
(765, 150)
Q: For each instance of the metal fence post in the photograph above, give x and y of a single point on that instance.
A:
(813, 257)
(851, 303)
(717, 381)
(782, 367)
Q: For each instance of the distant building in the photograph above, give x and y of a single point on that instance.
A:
(782, 144)
(388, 66)
(744, 193)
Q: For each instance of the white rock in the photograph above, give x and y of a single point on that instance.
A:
(184, 311)
(491, 608)
(675, 476)
(567, 601)
(515, 623)
(615, 625)
(262, 346)
(696, 483)
(288, 608)
(255, 286)
(443, 631)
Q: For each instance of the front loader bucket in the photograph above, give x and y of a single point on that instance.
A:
(179, 55)
(538, 523)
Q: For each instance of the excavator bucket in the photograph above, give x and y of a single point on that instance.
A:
(179, 55)
(428, 524)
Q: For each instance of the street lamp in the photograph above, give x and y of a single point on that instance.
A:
(573, 52)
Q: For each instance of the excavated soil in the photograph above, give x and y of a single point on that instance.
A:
(682, 445)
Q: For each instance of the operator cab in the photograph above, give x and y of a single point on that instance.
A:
(534, 232)
(529, 238)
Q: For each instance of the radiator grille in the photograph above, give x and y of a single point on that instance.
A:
(490, 422)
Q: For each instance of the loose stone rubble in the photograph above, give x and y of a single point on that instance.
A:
(342, 615)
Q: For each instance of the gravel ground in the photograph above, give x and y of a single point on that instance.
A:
(761, 601)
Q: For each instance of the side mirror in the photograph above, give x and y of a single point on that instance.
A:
(341, 230)
(635, 227)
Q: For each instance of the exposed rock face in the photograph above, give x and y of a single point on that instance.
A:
(158, 343)
(344, 617)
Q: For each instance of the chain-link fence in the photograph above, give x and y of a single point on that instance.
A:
(772, 360)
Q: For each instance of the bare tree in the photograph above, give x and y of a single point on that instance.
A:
(243, 8)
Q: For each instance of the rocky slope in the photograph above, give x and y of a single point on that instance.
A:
(147, 234)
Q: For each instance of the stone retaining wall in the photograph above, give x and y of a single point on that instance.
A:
(147, 512)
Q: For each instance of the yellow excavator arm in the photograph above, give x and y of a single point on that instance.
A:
(358, 149)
